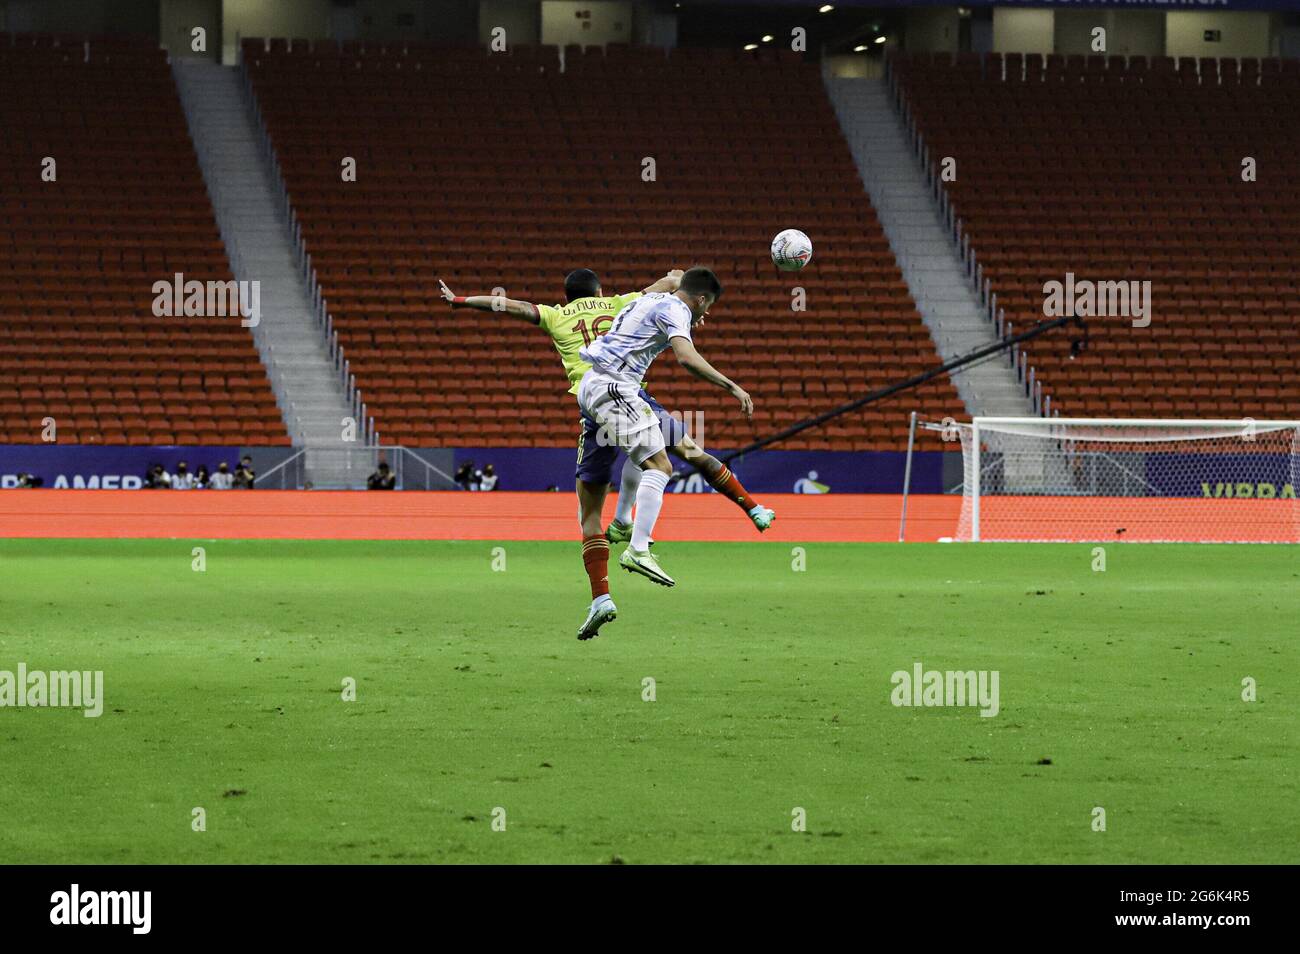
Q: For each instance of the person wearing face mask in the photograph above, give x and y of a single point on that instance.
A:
(222, 479)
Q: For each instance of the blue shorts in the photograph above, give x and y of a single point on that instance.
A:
(596, 458)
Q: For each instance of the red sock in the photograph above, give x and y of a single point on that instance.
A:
(726, 483)
(595, 557)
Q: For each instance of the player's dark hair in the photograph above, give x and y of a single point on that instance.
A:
(581, 283)
(701, 281)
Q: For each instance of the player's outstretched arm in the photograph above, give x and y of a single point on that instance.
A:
(498, 303)
(667, 285)
(693, 361)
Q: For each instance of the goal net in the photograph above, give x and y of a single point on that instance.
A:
(1075, 480)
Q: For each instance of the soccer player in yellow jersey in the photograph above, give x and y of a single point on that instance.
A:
(587, 315)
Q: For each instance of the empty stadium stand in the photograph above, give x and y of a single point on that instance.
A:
(1120, 169)
(505, 171)
(79, 257)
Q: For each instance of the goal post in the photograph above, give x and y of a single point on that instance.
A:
(1142, 480)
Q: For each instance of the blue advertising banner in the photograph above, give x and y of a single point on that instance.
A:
(1220, 476)
(518, 468)
(771, 471)
(1216, 476)
(95, 467)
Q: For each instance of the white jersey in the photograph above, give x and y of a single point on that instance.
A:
(639, 334)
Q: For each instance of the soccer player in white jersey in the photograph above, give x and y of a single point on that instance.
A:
(608, 394)
(587, 315)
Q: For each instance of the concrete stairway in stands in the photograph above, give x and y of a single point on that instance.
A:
(929, 259)
(259, 242)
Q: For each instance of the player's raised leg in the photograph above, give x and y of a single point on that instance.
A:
(655, 471)
(595, 558)
(722, 479)
(595, 463)
(717, 474)
(620, 529)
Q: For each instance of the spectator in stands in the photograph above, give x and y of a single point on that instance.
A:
(468, 477)
(245, 475)
(202, 479)
(222, 479)
(488, 481)
(157, 478)
(182, 479)
(382, 479)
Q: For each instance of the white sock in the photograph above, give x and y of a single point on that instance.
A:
(649, 498)
(627, 486)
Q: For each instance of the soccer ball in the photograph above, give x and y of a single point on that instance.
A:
(791, 250)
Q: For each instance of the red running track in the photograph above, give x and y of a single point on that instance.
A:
(454, 515)
(851, 518)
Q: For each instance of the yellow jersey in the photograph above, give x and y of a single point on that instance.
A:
(579, 323)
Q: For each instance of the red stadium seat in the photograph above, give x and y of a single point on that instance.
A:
(78, 256)
(1157, 196)
(439, 198)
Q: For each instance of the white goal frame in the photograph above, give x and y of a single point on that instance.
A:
(975, 469)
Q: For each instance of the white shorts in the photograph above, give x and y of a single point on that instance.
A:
(624, 417)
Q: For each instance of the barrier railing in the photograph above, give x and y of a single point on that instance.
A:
(319, 304)
(958, 234)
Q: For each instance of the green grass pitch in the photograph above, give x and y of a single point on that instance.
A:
(1119, 689)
